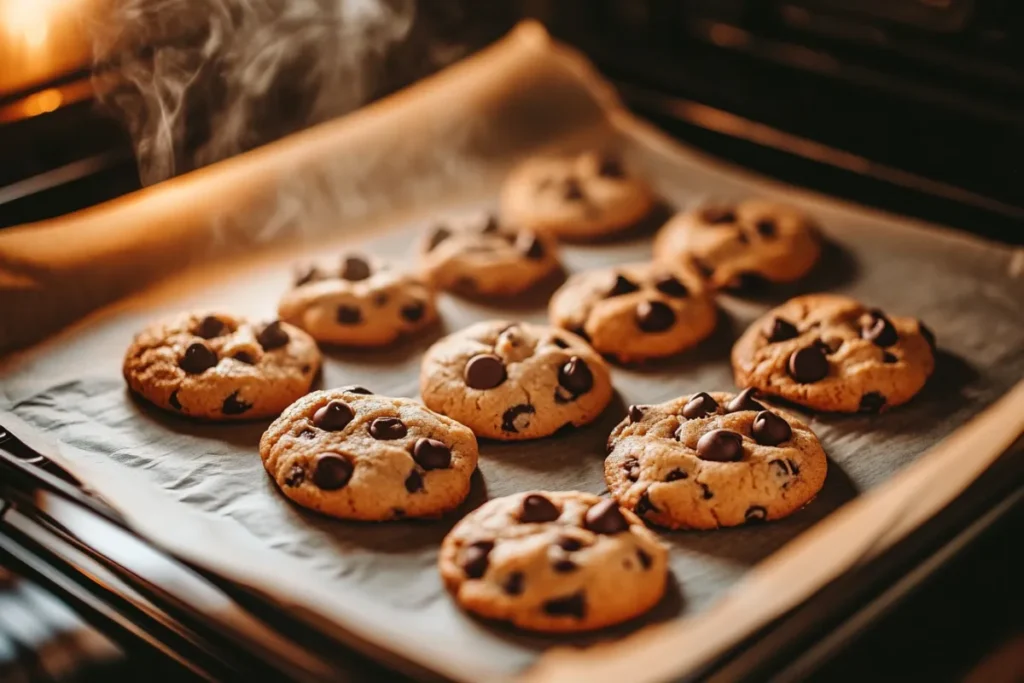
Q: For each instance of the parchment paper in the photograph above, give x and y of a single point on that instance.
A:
(203, 486)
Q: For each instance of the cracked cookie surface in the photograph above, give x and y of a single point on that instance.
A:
(713, 460)
(347, 453)
(480, 254)
(729, 243)
(575, 197)
(554, 561)
(217, 366)
(361, 302)
(831, 353)
(513, 380)
(637, 311)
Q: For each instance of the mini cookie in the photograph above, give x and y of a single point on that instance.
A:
(348, 453)
(637, 311)
(510, 381)
(830, 353)
(731, 243)
(575, 197)
(217, 366)
(362, 303)
(713, 460)
(554, 561)
(480, 255)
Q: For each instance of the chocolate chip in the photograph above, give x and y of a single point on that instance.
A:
(306, 367)
(355, 268)
(349, 315)
(356, 389)
(474, 558)
(173, 400)
(622, 285)
(334, 416)
(569, 544)
(414, 482)
(244, 357)
(439, 235)
(720, 445)
(513, 584)
(559, 342)
(644, 505)
(296, 475)
(889, 357)
(581, 333)
(928, 335)
(654, 316)
(871, 402)
(530, 246)
(808, 364)
(509, 417)
(574, 605)
(272, 336)
(431, 454)
(210, 327)
(331, 471)
(755, 513)
(744, 401)
(387, 429)
(766, 227)
(484, 371)
(779, 330)
(198, 358)
(879, 331)
(717, 215)
(306, 274)
(671, 286)
(576, 376)
(636, 413)
(380, 299)
(645, 559)
(414, 311)
(676, 475)
(537, 509)
(564, 566)
(491, 225)
(707, 494)
(573, 191)
(611, 167)
(700, 405)
(605, 518)
(768, 429)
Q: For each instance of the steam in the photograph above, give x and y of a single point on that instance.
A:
(196, 81)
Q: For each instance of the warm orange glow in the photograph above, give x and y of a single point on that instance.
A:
(42, 102)
(29, 21)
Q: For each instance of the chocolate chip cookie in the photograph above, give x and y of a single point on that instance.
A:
(575, 197)
(554, 561)
(507, 380)
(348, 453)
(217, 366)
(482, 255)
(831, 353)
(360, 302)
(713, 460)
(638, 311)
(733, 244)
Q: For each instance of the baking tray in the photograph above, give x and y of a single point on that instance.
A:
(229, 236)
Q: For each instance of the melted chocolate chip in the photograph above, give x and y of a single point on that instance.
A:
(559, 342)
(676, 475)
(431, 454)
(605, 518)
(173, 400)
(644, 505)
(581, 333)
(744, 401)
(611, 167)
(210, 327)
(296, 475)
(414, 311)
(513, 584)
(671, 286)
(334, 416)
(700, 405)
(569, 544)
(355, 268)
(636, 413)
(349, 315)
(198, 358)
(564, 566)
(244, 357)
(414, 482)
(574, 605)
(645, 559)
(272, 336)
(768, 429)
(439, 235)
(720, 445)
(622, 285)
(484, 371)
(536, 509)
(356, 389)
(928, 335)
(331, 471)
(654, 316)
(808, 364)
(387, 429)
(872, 402)
(530, 246)
(306, 274)
(572, 190)
(718, 215)
(707, 494)
(879, 331)
(766, 227)
(779, 330)
(474, 559)
(755, 513)
(509, 417)
(889, 357)
(576, 376)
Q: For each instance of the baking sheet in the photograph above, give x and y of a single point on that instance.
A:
(204, 486)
